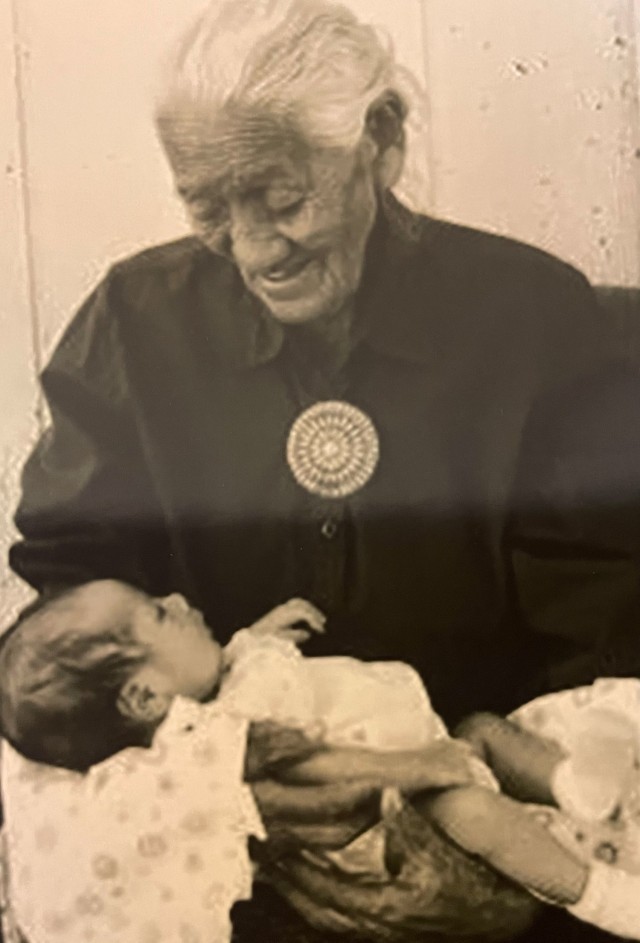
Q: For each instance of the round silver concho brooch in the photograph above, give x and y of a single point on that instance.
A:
(333, 449)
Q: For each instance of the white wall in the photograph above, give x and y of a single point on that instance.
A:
(535, 125)
(534, 131)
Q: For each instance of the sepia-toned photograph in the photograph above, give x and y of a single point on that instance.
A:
(320, 471)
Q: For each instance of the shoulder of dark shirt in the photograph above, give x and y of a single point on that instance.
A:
(467, 293)
(493, 266)
(454, 243)
(170, 263)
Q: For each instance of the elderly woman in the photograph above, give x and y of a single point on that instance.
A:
(323, 394)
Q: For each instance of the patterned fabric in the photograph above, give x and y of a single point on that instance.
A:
(150, 846)
(611, 901)
(599, 727)
(153, 843)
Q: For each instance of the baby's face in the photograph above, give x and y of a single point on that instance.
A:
(180, 645)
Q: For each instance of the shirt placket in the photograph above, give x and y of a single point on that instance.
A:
(329, 520)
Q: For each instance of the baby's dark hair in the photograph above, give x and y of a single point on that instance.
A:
(60, 682)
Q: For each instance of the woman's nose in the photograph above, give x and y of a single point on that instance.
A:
(256, 244)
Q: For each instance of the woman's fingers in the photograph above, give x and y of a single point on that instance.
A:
(333, 835)
(318, 913)
(314, 890)
(289, 805)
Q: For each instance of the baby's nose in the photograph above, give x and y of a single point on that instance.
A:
(177, 603)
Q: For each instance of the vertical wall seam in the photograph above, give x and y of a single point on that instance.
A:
(24, 179)
(426, 73)
(634, 41)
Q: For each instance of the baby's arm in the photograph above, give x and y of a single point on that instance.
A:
(505, 835)
(502, 833)
(523, 762)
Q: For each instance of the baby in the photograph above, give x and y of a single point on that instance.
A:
(93, 675)
(104, 668)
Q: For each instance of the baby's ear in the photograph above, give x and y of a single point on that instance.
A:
(143, 699)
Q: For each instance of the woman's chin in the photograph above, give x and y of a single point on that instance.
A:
(294, 310)
(303, 307)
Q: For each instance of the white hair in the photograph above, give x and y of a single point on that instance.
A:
(311, 61)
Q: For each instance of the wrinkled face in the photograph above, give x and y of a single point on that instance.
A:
(295, 221)
(178, 643)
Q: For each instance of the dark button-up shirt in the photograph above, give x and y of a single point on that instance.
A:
(487, 549)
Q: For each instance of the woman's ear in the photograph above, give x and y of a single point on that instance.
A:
(385, 127)
(144, 698)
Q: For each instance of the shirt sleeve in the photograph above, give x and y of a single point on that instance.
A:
(611, 901)
(574, 537)
(88, 508)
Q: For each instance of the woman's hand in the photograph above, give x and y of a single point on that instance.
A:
(311, 794)
(446, 763)
(271, 746)
(441, 893)
(326, 814)
(323, 816)
(286, 621)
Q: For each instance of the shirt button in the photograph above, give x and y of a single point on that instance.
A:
(329, 529)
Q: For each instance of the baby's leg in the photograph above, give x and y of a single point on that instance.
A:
(505, 835)
(523, 762)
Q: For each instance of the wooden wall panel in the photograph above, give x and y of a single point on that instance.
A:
(17, 329)
(98, 181)
(636, 56)
(534, 125)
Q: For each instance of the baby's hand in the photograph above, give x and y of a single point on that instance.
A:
(283, 621)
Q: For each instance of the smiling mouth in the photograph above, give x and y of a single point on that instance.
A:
(285, 273)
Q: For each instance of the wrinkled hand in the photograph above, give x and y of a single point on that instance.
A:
(271, 746)
(326, 815)
(322, 816)
(442, 893)
(284, 621)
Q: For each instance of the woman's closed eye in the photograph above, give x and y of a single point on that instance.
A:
(211, 223)
(209, 212)
(285, 202)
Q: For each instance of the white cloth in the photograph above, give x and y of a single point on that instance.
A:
(378, 705)
(375, 705)
(611, 902)
(151, 845)
(598, 787)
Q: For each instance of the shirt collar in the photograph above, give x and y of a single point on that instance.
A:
(389, 306)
